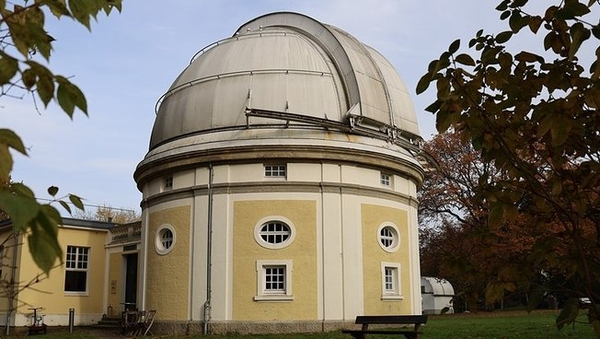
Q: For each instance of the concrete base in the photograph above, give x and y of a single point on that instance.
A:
(241, 327)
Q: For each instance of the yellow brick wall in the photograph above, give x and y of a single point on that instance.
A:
(167, 284)
(374, 216)
(48, 291)
(115, 274)
(302, 251)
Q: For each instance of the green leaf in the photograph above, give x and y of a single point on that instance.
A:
(423, 83)
(534, 23)
(503, 5)
(571, 9)
(65, 206)
(516, 21)
(75, 200)
(535, 297)
(28, 77)
(58, 8)
(568, 314)
(22, 190)
(43, 240)
(81, 11)
(12, 140)
(434, 107)
(70, 96)
(44, 83)
(21, 210)
(596, 31)
(52, 190)
(454, 46)
(465, 59)
(518, 3)
(578, 35)
(528, 57)
(8, 68)
(503, 37)
(594, 317)
(45, 89)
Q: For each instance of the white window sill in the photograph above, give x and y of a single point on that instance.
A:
(392, 297)
(280, 297)
(75, 294)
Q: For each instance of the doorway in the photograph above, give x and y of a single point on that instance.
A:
(131, 268)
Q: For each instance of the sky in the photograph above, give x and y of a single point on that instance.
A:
(129, 60)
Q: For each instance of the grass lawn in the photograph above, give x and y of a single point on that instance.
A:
(500, 325)
(486, 325)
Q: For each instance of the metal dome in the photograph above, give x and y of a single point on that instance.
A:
(287, 69)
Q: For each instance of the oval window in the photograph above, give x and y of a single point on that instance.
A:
(274, 233)
(388, 238)
(165, 239)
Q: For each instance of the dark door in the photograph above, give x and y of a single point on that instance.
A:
(131, 262)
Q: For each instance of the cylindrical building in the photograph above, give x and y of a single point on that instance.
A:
(279, 189)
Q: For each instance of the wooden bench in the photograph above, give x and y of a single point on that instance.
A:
(365, 320)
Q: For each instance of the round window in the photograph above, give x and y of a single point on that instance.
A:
(388, 238)
(274, 233)
(165, 239)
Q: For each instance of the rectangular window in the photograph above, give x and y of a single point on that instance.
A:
(386, 179)
(169, 183)
(275, 171)
(274, 280)
(390, 278)
(76, 266)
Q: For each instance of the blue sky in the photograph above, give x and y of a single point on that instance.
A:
(130, 59)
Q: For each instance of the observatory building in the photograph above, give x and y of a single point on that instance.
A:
(279, 188)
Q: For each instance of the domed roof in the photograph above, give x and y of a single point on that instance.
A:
(284, 67)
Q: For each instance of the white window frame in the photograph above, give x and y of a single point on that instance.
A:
(395, 292)
(168, 183)
(274, 218)
(385, 179)
(262, 294)
(275, 171)
(80, 263)
(395, 234)
(159, 244)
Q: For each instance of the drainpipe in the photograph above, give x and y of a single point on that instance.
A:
(209, 249)
(11, 288)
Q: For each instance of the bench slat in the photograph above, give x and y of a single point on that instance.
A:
(380, 332)
(391, 319)
(366, 320)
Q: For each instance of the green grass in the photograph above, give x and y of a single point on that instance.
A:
(500, 325)
(486, 325)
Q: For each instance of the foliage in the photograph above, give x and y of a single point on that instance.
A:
(534, 115)
(107, 213)
(23, 40)
(457, 242)
(5, 185)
